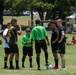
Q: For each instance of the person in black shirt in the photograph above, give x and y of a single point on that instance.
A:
(61, 43)
(13, 43)
(54, 44)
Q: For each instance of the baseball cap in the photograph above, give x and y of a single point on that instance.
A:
(28, 30)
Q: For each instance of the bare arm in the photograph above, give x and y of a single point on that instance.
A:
(20, 30)
(47, 40)
(32, 42)
(63, 34)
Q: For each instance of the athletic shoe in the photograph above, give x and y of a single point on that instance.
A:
(23, 66)
(5, 67)
(38, 68)
(62, 69)
(18, 68)
(55, 67)
(12, 67)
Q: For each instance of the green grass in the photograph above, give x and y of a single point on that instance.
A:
(70, 62)
(22, 20)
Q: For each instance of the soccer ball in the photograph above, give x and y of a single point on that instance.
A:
(49, 67)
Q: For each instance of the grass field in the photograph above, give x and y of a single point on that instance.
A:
(70, 62)
(22, 20)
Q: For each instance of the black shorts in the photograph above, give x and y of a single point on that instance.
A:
(54, 48)
(7, 50)
(61, 47)
(40, 44)
(28, 50)
(14, 48)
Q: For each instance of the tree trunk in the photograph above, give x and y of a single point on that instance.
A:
(48, 15)
(1, 11)
(41, 15)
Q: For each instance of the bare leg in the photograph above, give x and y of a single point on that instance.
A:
(62, 60)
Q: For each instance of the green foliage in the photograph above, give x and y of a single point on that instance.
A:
(54, 8)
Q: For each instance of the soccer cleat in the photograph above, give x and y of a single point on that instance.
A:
(18, 68)
(38, 68)
(11, 67)
(56, 67)
(5, 67)
(23, 66)
(62, 69)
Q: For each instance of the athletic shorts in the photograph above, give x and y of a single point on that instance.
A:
(28, 50)
(14, 48)
(7, 50)
(40, 44)
(54, 48)
(61, 47)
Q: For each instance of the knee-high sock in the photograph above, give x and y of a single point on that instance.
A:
(5, 61)
(56, 62)
(38, 61)
(46, 57)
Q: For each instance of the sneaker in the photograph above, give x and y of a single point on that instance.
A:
(23, 66)
(38, 68)
(62, 69)
(12, 67)
(55, 67)
(5, 67)
(18, 68)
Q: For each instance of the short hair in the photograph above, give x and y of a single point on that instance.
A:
(59, 20)
(13, 21)
(8, 23)
(37, 21)
(54, 23)
(28, 30)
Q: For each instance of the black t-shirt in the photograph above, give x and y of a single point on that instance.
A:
(61, 30)
(54, 35)
(13, 35)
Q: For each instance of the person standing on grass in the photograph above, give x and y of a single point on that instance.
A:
(6, 45)
(54, 44)
(40, 36)
(13, 43)
(27, 47)
(61, 43)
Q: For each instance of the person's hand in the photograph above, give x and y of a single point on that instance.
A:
(28, 42)
(31, 45)
(53, 42)
(59, 41)
(20, 26)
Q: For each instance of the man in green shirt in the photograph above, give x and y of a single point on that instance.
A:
(27, 47)
(39, 35)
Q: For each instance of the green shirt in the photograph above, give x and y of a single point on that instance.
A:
(26, 38)
(38, 33)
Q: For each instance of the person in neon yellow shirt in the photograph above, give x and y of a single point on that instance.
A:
(13, 38)
(39, 35)
(27, 47)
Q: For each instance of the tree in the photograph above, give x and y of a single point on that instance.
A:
(42, 6)
(1, 11)
(54, 8)
(15, 6)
